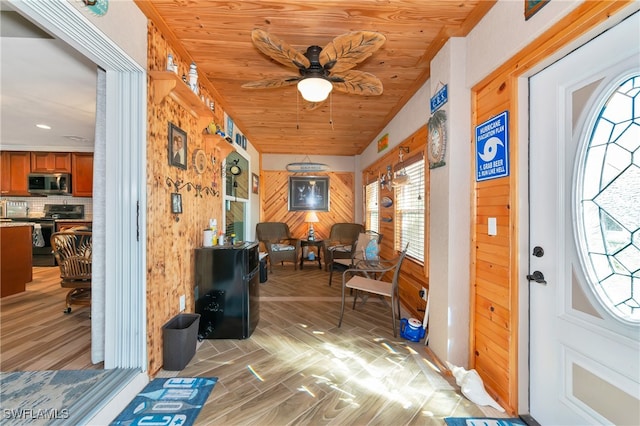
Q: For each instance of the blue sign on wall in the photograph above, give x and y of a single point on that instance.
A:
(492, 148)
(440, 98)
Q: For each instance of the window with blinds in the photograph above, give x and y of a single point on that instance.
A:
(410, 214)
(372, 210)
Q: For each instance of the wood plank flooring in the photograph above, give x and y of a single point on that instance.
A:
(35, 334)
(298, 367)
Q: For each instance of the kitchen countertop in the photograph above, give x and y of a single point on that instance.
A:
(15, 224)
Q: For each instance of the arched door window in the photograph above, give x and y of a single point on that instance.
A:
(608, 201)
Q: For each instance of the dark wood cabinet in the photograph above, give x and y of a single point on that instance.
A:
(15, 263)
(82, 174)
(50, 162)
(15, 171)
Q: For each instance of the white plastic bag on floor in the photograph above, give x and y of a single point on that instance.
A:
(38, 238)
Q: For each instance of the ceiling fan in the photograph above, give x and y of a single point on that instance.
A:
(322, 69)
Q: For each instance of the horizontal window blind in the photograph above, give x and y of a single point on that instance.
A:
(371, 206)
(410, 214)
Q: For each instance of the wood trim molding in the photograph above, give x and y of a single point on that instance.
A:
(497, 92)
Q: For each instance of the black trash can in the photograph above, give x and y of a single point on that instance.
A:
(180, 336)
(263, 270)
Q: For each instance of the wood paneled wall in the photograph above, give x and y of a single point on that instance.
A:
(494, 260)
(171, 239)
(274, 201)
(415, 275)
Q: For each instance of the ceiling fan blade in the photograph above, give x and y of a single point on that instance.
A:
(357, 83)
(271, 84)
(278, 50)
(348, 50)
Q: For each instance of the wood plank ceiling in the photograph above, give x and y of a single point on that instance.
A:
(216, 35)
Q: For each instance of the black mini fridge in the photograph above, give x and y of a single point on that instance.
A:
(227, 290)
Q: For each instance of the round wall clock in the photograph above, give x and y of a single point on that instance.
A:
(235, 170)
(200, 161)
(437, 139)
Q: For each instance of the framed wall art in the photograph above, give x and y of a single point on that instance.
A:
(531, 7)
(229, 128)
(309, 193)
(177, 147)
(176, 203)
(255, 183)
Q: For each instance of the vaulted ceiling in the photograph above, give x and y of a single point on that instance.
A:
(216, 35)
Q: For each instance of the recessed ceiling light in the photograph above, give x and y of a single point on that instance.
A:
(43, 126)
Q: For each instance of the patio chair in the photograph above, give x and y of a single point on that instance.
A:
(342, 237)
(368, 277)
(279, 244)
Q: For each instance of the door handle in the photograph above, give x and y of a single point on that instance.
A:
(537, 276)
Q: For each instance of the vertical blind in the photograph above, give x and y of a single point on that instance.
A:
(410, 214)
(372, 210)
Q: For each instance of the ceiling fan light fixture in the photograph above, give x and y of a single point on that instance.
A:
(315, 89)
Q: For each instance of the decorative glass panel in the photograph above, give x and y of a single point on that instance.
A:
(608, 210)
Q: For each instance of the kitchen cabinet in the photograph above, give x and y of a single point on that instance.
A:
(15, 258)
(50, 162)
(16, 166)
(82, 174)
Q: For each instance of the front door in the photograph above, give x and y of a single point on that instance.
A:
(585, 234)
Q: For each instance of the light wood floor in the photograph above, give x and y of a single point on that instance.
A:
(36, 335)
(298, 367)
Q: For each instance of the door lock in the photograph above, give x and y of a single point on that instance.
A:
(538, 277)
(538, 251)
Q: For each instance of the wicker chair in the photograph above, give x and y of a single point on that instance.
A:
(279, 244)
(342, 238)
(72, 250)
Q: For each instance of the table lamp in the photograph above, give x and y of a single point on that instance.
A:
(311, 218)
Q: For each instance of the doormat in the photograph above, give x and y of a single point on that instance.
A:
(483, 421)
(169, 401)
(57, 397)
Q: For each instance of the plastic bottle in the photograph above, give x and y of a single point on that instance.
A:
(170, 62)
(193, 78)
(213, 224)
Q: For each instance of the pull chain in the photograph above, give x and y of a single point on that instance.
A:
(331, 110)
(297, 110)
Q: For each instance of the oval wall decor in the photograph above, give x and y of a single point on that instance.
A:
(386, 202)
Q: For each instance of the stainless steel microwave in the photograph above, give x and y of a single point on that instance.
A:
(50, 183)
